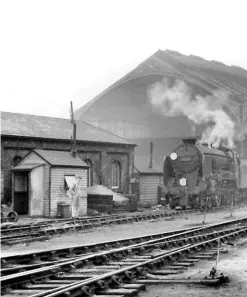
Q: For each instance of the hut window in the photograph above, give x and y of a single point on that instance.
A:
(89, 173)
(69, 181)
(116, 175)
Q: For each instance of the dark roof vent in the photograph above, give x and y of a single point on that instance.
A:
(73, 152)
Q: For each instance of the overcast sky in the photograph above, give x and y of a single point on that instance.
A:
(53, 52)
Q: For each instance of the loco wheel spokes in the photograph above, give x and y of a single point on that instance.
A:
(217, 200)
(202, 204)
(209, 203)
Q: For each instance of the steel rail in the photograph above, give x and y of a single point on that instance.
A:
(106, 244)
(81, 286)
(8, 228)
(50, 269)
(16, 234)
(87, 247)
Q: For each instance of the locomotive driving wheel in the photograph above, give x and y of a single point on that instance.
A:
(205, 203)
(235, 196)
(210, 203)
(202, 205)
(227, 197)
(218, 198)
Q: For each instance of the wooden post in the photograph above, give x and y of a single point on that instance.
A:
(231, 204)
(218, 254)
(186, 192)
(73, 127)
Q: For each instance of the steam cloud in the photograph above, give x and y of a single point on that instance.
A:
(176, 99)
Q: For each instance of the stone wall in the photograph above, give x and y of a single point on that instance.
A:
(99, 153)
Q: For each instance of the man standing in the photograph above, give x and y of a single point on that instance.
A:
(74, 193)
(76, 200)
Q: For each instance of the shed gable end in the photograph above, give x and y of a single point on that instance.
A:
(33, 159)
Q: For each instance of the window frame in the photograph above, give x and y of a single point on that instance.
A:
(89, 172)
(66, 186)
(116, 166)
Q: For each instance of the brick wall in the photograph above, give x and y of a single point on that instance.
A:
(104, 154)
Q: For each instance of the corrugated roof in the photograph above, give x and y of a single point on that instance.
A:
(16, 124)
(161, 148)
(60, 158)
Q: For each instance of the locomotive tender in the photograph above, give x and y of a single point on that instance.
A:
(199, 176)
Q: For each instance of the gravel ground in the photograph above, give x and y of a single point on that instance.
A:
(233, 265)
(115, 232)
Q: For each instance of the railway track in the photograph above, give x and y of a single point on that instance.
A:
(123, 270)
(41, 231)
(23, 233)
(27, 261)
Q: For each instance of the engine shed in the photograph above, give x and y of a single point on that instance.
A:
(41, 181)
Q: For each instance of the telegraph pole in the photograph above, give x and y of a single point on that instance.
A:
(73, 127)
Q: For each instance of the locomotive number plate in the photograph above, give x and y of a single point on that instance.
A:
(186, 159)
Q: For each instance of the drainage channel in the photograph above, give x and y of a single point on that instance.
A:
(91, 267)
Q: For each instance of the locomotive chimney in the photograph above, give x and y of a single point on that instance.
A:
(190, 140)
(151, 155)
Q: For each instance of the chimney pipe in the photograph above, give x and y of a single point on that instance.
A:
(73, 129)
(190, 140)
(151, 155)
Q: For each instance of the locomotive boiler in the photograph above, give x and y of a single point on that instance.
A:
(198, 176)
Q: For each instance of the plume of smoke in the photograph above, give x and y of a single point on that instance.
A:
(176, 99)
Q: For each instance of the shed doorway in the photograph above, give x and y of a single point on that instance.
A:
(28, 189)
(21, 195)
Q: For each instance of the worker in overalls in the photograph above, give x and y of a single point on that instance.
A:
(74, 193)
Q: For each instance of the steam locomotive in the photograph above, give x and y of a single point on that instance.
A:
(198, 176)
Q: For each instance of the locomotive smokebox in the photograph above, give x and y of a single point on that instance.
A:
(190, 140)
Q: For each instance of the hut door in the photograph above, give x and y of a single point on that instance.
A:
(36, 192)
(21, 192)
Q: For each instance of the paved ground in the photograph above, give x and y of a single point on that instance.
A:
(121, 231)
